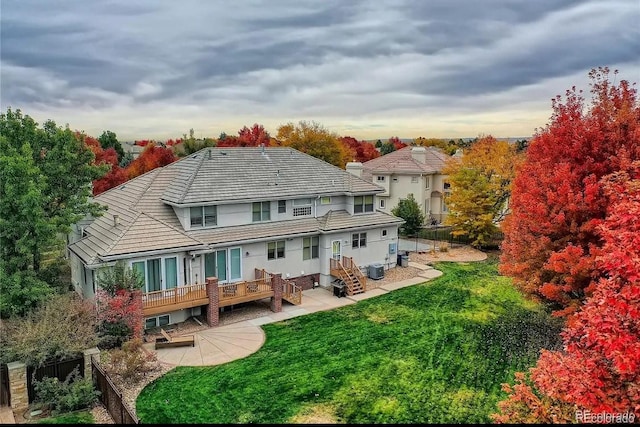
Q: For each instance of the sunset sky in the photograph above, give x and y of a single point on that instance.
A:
(369, 69)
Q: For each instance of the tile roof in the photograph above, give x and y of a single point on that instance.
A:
(147, 223)
(251, 173)
(401, 161)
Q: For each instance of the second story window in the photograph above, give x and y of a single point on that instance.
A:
(282, 206)
(380, 178)
(203, 216)
(446, 186)
(427, 182)
(362, 204)
(414, 179)
(325, 200)
(261, 211)
(301, 207)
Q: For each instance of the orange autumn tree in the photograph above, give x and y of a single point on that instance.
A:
(361, 151)
(315, 140)
(551, 236)
(153, 156)
(480, 188)
(599, 369)
(115, 175)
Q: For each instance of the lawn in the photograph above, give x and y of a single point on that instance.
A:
(431, 353)
(77, 417)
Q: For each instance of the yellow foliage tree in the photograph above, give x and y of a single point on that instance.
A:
(312, 138)
(480, 188)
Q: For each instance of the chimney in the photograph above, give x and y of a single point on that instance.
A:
(419, 154)
(116, 220)
(355, 168)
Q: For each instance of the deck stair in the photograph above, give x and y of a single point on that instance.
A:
(348, 273)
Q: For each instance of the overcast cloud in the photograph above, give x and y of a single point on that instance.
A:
(369, 69)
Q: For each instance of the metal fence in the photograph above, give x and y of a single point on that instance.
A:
(53, 369)
(111, 397)
(5, 393)
(445, 234)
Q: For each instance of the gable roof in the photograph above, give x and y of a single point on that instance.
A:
(401, 161)
(147, 223)
(230, 174)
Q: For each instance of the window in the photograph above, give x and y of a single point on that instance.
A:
(325, 200)
(261, 211)
(196, 216)
(382, 204)
(380, 178)
(384, 232)
(359, 240)
(310, 247)
(302, 202)
(282, 206)
(427, 181)
(414, 179)
(275, 250)
(203, 216)
(362, 204)
(447, 185)
(302, 211)
(153, 322)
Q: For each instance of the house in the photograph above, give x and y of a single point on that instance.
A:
(410, 170)
(252, 222)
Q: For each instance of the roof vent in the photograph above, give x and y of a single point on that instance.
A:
(209, 154)
(262, 148)
(116, 220)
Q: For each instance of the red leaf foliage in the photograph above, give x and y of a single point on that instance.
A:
(551, 237)
(153, 156)
(599, 369)
(361, 151)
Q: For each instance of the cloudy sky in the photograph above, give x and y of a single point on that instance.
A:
(365, 68)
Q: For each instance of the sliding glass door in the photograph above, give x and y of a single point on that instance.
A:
(225, 264)
(158, 273)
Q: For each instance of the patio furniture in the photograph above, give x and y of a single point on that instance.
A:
(168, 341)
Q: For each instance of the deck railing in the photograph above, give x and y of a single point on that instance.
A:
(233, 293)
(292, 292)
(179, 297)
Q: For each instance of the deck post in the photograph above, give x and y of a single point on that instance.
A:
(213, 310)
(138, 328)
(276, 299)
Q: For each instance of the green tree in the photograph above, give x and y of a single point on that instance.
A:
(409, 210)
(379, 143)
(190, 144)
(64, 163)
(480, 188)
(119, 277)
(387, 147)
(108, 139)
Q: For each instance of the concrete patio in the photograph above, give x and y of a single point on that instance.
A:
(222, 344)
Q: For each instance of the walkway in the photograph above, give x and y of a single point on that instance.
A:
(6, 415)
(222, 344)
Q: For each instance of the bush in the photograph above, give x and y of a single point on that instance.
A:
(113, 334)
(69, 395)
(131, 363)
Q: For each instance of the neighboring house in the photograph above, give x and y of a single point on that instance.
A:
(237, 214)
(415, 170)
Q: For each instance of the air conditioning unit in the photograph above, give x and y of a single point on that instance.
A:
(376, 271)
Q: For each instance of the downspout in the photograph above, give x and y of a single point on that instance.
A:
(315, 207)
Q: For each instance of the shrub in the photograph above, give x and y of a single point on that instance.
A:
(113, 334)
(71, 394)
(131, 363)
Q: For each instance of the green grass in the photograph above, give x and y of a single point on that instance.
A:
(431, 353)
(81, 417)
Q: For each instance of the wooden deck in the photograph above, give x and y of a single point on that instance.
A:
(235, 293)
(160, 302)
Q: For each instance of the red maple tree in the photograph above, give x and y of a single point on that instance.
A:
(115, 175)
(551, 237)
(599, 369)
(361, 151)
(153, 156)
